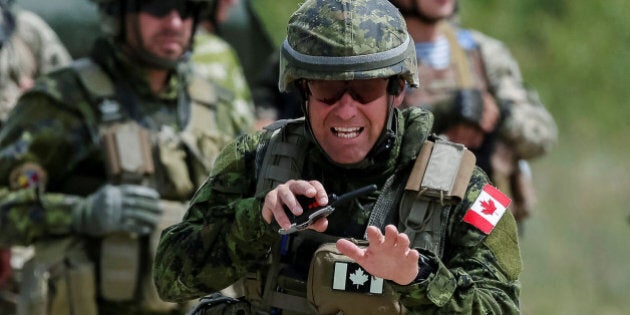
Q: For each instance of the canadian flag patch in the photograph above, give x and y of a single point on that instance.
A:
(488, 209)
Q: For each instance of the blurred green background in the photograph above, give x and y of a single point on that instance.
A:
(577, 55)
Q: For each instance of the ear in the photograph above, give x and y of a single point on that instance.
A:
(395, 85)
(398, 99)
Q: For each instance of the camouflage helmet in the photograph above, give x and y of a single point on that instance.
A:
(110, 12)
(347, 40)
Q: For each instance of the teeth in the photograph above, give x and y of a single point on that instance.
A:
(347, 132)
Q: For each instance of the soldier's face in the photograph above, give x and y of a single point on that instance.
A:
(347, 117)
(166, 36)
(436, 9)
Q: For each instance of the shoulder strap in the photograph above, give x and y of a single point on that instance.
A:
(464, 75)
(94, 78)
(284, 156)
(437, 182)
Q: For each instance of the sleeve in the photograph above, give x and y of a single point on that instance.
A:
(222, 236)
(38, 145)
(479, 273)
(527, 126)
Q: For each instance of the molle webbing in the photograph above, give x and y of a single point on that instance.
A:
(437, 182)
(284, 157)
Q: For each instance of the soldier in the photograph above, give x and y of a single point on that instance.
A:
(217, 60)
(97, 158)
(433, 237)
(475, 89)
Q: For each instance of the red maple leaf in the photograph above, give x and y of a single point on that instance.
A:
(488, 207)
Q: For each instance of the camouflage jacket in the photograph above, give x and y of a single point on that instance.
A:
(223, 235)
(32, 50)
(56, 126)
(527, 127)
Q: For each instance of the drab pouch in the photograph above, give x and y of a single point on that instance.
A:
(337, 285)
(60, 279)
(119, 267)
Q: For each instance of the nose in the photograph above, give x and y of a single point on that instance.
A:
(174, 18)
(346, 107)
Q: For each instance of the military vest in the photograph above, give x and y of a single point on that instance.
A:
(174, 162)
(437, 181)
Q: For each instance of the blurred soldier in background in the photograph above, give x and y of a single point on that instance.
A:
(216, 59)
(28, 48)
(473, 86)
(97, 158)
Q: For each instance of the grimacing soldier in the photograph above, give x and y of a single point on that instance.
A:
(100, 156)
(433, 237)
(474, 88)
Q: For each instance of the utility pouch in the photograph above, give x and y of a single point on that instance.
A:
(338, 285)
(128, 151)
(442, 171)
(60, 279)
(439, 178)
(218, 304)
(173, 179)
(119, 267)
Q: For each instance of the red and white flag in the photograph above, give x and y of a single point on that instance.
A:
(488, 209)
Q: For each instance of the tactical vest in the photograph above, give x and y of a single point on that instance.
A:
(134, 155)
(438, 181)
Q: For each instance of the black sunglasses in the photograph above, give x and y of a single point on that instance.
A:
(161, 8)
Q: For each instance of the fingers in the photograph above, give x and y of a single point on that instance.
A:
(392, 241)
(285, 195)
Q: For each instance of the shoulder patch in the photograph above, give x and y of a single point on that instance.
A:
(487, 209)
(27, 175)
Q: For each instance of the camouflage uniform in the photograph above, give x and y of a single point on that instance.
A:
(53, 157)
(32, 50)
(215, 59)
(223, 237)
(526, 129)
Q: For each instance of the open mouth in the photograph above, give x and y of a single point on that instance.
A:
(346, 132)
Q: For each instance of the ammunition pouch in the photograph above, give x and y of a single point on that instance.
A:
(128, 149)
(122, 270)
(334, 282)
(60, 279)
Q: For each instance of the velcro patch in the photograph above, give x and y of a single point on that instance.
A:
(27, 175)
(352, 277)
(487, 209)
